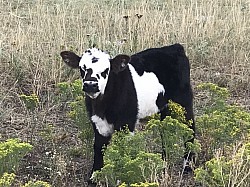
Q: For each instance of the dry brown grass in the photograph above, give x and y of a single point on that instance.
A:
(215, 34)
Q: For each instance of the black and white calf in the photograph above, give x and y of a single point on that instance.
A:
(122, 90)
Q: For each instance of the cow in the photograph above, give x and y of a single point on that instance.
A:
(122, 90)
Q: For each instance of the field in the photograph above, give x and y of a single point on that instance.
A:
(215, 35)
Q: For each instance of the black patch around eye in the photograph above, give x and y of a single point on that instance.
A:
(98, 76)
(88, 51)
(94, 59)
(105, 73)
(82, 73)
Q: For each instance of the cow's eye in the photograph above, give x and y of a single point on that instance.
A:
(94, 60)
(105, 73)
(98, 76)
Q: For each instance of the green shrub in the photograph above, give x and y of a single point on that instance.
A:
(37, 184)
(11, 152)
(222, 124)
(30, 101)
(7, 179)
(224, 132)
(172, 133)
(128, 160)
(224, 171)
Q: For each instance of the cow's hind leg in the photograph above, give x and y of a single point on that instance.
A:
(189, 157)
(164, 112)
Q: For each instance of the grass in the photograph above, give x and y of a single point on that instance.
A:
(215, 35)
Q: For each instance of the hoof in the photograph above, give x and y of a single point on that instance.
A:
(188, 169)
(91, 184)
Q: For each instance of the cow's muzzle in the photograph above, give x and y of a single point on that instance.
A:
(90, 87)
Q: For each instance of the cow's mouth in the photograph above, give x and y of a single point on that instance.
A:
(92, 95)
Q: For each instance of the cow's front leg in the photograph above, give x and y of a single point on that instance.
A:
(100, 142)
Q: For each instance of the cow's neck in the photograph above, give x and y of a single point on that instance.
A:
(98, 106)
(116, 86)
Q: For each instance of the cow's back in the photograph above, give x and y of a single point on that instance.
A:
(171, 67)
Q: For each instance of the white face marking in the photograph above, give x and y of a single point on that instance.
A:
(147, 89)
(98, 62)
(103, 127)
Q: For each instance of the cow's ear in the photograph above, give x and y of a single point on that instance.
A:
(70, 58)
(119, 63)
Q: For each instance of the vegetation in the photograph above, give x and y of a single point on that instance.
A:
(41, 104)
(224, 134)
(128, 160)
(11, 153)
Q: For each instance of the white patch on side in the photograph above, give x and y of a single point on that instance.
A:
(147, 89)
(103, 127)
(98, 67)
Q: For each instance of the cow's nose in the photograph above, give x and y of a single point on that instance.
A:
(90, 86)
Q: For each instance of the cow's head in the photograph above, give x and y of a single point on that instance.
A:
(95, 66)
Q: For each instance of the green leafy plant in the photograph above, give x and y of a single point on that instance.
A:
(222, 124)
(11, 152)
(224, 171)
(172, 133)
(216, 96)
(7, 179)
(37, 184)
(30, 101)
(224, 133)
(128, 160)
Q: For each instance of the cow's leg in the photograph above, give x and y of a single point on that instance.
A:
(164, 112)
(99, 144)
(189, 157)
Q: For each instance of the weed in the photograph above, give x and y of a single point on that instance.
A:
(7, 179)
(224, 171)
(37, 184)
(11, 152)
(222, 125)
